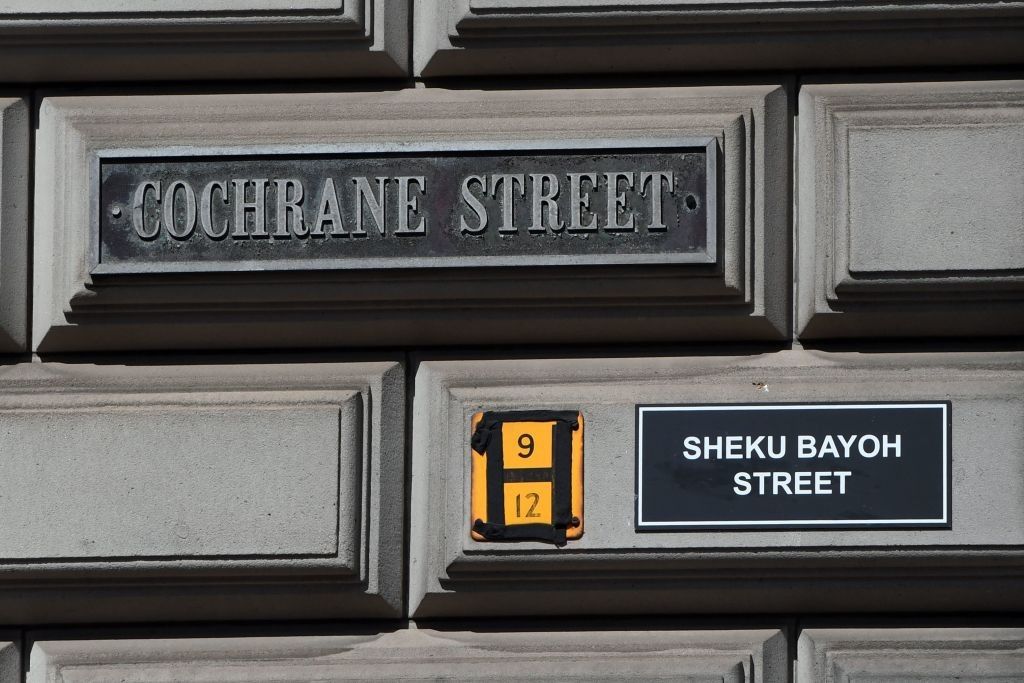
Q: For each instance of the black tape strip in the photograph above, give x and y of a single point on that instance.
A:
(495, 478)
(527, 474)
(519, 532)
(561, 443)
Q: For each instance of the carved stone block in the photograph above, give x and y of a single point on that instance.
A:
(56, 40)
(911, 209)
(14, 201)
(613, 568)
(898, 654)
(459, 37)
(200, 491)
(758, 656)
(738, 291)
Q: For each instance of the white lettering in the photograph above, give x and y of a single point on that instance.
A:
(887, 445)
(874, 451)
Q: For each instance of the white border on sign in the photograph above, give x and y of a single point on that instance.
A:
(804, 522)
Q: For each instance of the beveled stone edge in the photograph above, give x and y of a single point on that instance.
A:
(761, 652)
(365, 38)
(374, 592)
(819, 307)
(963, 571)
(14, 203)
(451, 38)
(66, 151)
(819, 650)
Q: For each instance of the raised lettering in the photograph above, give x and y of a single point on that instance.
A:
(375, 204)
(544, 202)
(206, 210)
(475, 205)
(407, 204)
(139, 210)
(656, 178)
(578, 201)
(617, 201)
(508, 184)
(329, 212)
(257, 206)
(170, 197)
(289, 209)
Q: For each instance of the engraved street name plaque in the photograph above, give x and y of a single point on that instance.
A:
(610, 202)
(793, 466)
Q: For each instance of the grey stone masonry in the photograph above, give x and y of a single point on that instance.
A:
(974, 565)
(743, 295)
(67, 40)
(755, 656)
(14, 202)
(513, 37)
(911, 209)
(992, 655)
(200, 492)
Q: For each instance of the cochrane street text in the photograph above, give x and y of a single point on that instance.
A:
(361, 206)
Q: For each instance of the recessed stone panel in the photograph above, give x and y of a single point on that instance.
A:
(171, 492)
(758, 656)
(55, 40)
(995, 655)
(911, 210)
(460, 37)
(134, 194)
(617, 568)
(203, 477)
(14, 200)
(937, 198)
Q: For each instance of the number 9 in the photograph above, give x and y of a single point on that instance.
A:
(526, 443)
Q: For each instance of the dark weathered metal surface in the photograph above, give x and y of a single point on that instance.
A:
(186, 214)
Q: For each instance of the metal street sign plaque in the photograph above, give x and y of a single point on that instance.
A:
(483, 204)
(834, 466)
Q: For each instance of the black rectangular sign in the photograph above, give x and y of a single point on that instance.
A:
(469, 204)
(837, 466)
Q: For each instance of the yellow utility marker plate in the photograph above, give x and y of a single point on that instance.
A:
(523, 447)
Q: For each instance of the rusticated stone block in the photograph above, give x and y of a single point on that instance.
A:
(973, 565)
(742, 292)
(200, 492)
(911, 209)
(911, 654)
(425, 654)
